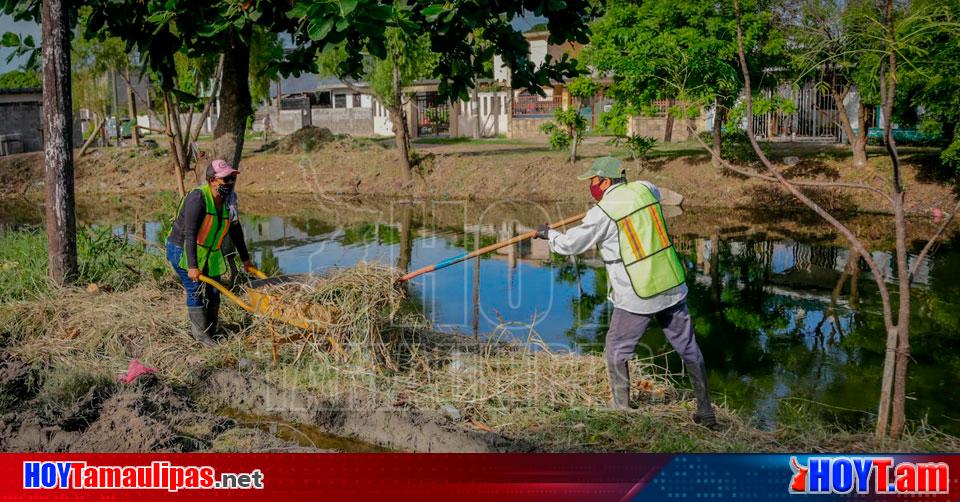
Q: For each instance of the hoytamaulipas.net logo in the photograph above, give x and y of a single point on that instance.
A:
(158, 475)
(872, 475)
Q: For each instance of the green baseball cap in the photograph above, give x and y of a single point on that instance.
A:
(605, 167)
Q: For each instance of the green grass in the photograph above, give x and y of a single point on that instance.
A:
(107, 260)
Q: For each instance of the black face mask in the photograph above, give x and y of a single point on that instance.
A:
(224, 190)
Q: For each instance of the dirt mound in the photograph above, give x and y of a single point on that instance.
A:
(304, 140)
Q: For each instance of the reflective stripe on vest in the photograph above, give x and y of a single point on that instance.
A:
(648, 255)
(210, 237)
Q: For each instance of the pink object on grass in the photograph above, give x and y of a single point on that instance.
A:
(937, 215)
(135, 370)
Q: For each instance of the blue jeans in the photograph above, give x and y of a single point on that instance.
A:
(196, 290)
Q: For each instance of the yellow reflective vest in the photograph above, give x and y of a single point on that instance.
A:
(652, 263)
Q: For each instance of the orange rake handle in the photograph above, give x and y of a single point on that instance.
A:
(484, 250)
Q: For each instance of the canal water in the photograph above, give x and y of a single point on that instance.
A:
(787, 316)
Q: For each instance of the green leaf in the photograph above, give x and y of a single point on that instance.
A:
(320, 31)
(10, 39)
(432, 12)
(343, 24)
(379, 12)
(28, 41)
(161, 17)
(347, 6)
(376, 48)
(298, 11)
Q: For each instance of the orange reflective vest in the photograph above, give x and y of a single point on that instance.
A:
(213, 229)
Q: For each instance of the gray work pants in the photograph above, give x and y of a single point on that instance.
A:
(626, 329)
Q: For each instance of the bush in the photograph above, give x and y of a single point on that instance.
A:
(562, 128)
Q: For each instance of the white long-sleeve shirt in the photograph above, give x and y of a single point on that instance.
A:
(597, 227)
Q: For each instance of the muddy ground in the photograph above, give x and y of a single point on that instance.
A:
(493, 170)
(230, 412)
(86, 415)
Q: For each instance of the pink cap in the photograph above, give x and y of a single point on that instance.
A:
(221, 169)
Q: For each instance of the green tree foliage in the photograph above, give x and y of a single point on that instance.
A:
(930, 78)
(92, 60)
(837, 46)
(409, 58)
(18, 79)
(683, 51)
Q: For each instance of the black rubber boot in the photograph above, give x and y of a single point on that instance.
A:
(213, 316)
(619, 375)
(198, 326)
(704, 414)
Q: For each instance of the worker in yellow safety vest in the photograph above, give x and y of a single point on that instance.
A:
(645, 274)
(204, 219)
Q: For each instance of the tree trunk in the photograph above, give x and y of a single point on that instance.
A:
(903, 322)
(58, 145)
(575, 135)
(176, 143)
(401, 136)
(858, 139)
(115, 105)
(132, 109)
(718, 118)
(668, 128)
(97, 124)
(399, 121)
(234, 101)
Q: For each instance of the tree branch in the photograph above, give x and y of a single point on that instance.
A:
(829, 218)
(933, 240)
(774, 179)
(214, 91)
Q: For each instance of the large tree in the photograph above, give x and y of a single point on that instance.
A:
(833, 46)
(682, 52)
(408, 59)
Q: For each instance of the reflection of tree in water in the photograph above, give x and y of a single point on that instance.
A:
(591, 310)
(368, 233)
(795, 337)
(311, 226)
(405, 222)
(269, 262)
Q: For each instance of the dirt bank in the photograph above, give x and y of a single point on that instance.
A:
(495, 170)
(57, 412)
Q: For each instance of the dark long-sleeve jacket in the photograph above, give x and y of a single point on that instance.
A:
(187, 225)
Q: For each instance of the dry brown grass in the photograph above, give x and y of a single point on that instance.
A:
(390, 358)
